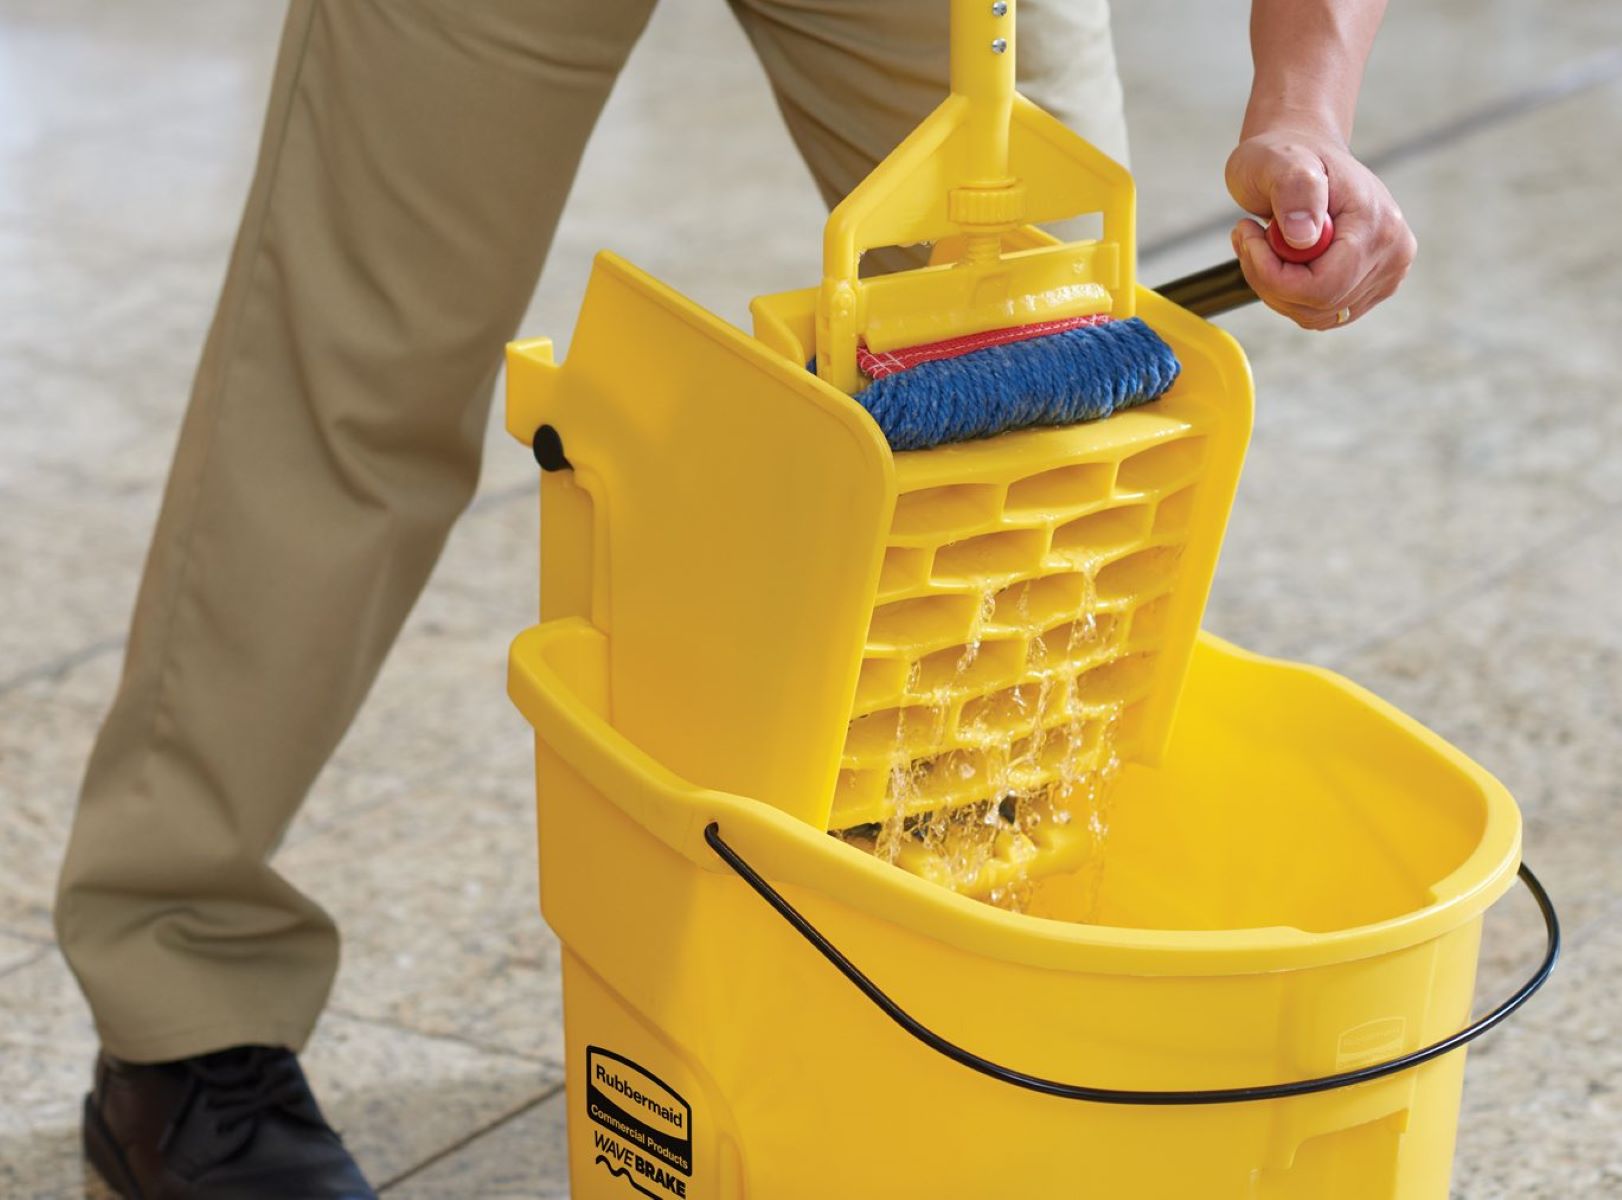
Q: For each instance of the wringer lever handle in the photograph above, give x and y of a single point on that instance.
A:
(1223, 288)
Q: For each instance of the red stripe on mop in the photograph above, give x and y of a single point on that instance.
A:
(877, 366)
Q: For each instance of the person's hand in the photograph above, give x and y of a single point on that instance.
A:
(1294, 178)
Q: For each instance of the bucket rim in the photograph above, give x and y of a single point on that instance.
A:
(818, 871)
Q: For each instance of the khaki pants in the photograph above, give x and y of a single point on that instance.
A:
(414, 162)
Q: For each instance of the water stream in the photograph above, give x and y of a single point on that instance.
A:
(969, 813)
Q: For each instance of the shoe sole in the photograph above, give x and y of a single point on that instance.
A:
(102, 1153)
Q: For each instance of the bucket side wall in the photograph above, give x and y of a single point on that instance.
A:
(817, 1094)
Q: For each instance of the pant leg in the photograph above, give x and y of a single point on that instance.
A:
(414, 161)
(853, 77)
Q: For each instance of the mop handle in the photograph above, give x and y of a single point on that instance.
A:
(982, 72)
(1223, 288)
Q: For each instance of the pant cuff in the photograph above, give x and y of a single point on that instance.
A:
(204, 1039)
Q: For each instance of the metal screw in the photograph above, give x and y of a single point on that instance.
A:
(998, 45)
(1000, 9)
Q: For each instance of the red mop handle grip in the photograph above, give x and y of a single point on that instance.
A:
(1295, 254)
(1223, 288)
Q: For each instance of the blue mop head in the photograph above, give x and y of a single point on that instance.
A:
(1080, 374)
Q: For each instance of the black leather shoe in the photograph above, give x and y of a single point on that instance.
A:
(240, 1124)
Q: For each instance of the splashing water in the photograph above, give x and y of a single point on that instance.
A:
(1036, 760)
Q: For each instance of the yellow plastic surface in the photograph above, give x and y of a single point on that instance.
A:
(1029, 525)
(723, 522)
(1296, 890)
(778, 587)
(769, 572)
(983, 165)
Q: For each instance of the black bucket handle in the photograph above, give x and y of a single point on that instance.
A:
(1097, 1095)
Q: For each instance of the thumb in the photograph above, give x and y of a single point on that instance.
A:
(1298, 188)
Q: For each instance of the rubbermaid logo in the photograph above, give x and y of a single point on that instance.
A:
(651, 1125)
(1381, 1038)
(648, 1098)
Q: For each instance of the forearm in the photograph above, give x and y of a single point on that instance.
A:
(1309, 57)
(1293, 166)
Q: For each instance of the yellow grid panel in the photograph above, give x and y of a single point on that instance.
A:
(1016, 616)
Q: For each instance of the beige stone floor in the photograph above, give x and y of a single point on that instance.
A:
(1433, 504)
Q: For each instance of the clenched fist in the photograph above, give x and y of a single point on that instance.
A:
(1295, 177)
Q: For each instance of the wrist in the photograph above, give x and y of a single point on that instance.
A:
(1313, 120)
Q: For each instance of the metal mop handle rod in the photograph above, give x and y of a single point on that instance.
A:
(1211, 292)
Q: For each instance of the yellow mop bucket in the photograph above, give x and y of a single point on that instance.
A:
(1295, 893)
(785, 676)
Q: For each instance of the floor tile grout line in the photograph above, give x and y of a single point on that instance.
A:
(349, 1014)
(34, 959)
(1572, 941)
(1567, 539)
(498, 497)
(464, 1142)
(1573, 937)
(1578, 936)
(1574, 81)
(55, 668)
(1579, 77)
(394, 795)
(23, 935)
(300, 836)
(59, 666)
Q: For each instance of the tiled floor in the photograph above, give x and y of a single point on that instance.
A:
(1433, 504)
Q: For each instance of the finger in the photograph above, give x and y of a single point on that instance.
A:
(1312, 316)
(1313, 319)
(1390, 267)
(1322, 284)
(1307, 318)
(1299, 194)
(1322, 320)
(1375, 291)
(1246, 228)
(1245, 177)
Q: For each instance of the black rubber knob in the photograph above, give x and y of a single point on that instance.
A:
(548, 447)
